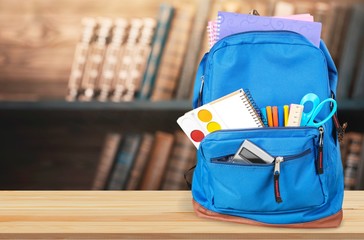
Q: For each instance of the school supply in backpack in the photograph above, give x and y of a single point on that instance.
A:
(215, 27)
(251, 153)
(235, 110)
(230, 23)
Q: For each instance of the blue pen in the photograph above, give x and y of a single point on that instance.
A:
(280, 116)
(263, 114)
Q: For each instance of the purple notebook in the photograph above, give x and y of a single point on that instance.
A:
(230, 23)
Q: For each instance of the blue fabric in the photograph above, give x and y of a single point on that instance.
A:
(277, 68)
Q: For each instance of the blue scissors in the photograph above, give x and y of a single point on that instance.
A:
(309, 117)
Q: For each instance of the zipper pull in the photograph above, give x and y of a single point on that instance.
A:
(320, 157)
(340, 129)
(277, 172)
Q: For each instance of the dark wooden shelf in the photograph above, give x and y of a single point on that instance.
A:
(94, 105)
(351, 105)
(137, 115)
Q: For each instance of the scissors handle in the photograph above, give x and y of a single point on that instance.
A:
(317, 111)
(315, 100)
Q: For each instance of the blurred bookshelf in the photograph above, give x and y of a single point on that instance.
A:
(48, 142)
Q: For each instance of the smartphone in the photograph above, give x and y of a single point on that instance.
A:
(250, 153)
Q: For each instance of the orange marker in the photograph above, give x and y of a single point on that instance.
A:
(275, 116)
(269, 116)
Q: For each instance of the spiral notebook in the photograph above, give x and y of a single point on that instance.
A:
(233, 111)
(230, 23)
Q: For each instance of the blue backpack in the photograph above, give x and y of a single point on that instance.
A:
(278, 68)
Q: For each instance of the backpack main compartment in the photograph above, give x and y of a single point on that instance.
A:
(278, 68)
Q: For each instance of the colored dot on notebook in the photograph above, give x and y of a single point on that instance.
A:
(197, 135)
(213, 126)
(204, 115)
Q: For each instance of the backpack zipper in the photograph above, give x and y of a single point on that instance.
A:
(227, 159)
(277, 173)
(320, 158)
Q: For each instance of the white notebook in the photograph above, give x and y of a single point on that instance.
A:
(233, 111)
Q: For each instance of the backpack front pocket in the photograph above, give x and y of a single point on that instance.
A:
(290, 183)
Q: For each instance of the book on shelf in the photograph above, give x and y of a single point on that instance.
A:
(95, 60)
(109, 150)
(114, 51)
(173, 55)
(139, 60)
(352, 54)
(79, 60)
(352, 161)
(165, 16)
(360, 174)
(358, 90)
(190, 63)
(126, 61)
(157, 162)
(124, 160)
(140, 162)
(183, 157)
(340, 17)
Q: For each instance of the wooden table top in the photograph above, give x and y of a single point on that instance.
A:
(143, 214)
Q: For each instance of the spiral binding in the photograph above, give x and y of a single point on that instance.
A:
(211, 25)
(218, 26)
(255, 106)
(213, 28)
(253, 109)
(213, 31)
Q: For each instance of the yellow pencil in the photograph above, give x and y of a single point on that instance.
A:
(285, 113)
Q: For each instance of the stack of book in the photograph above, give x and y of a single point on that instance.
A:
(127, 59)
(144, 161)
(110, 59)
(352, 154)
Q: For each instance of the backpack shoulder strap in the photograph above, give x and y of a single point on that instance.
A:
(330, 66)
(197, 89)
